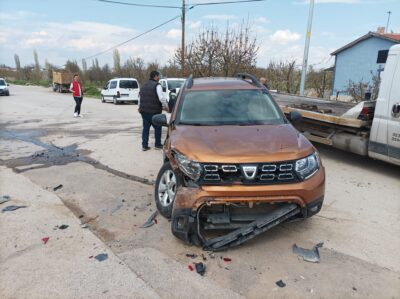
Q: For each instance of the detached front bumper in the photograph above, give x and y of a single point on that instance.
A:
(307, 195)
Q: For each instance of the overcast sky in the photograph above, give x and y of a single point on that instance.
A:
(74, 29)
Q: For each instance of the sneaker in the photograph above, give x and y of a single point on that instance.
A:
(80, 115)
(75, 114)
(145, 148)
(158, 147)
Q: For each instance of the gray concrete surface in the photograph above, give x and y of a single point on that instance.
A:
(102, 169)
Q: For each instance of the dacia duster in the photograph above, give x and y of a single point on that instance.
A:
(234, 163)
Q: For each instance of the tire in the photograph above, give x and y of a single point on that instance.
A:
(102, 99)
(165, 190)
(115, 101)
(8, 93)
(60, 89)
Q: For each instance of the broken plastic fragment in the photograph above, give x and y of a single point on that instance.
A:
(12, 208)
(191, 255)
(309, 255)
(63, 226)
(58, 187)
(4, 199)
(150, 221)
(280, 284)
(190, 267)
(101, 257)
(227, 259)
(45, 240)
(200, 268)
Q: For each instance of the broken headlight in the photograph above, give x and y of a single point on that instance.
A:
(190, 168)
(308, 166)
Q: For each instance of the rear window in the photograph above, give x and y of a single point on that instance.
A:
(228, 107)
(128, 84)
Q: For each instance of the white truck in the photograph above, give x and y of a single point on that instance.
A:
(171, 84)
(370, 128)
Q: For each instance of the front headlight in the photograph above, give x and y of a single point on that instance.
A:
(308, 166)
(191, 168)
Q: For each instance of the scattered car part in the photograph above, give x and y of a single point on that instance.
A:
(151, 220)
(45, 240)
(200, 268)
(253, 229)
(280, 283)
(4, 199)
(309, 255)
(63, 226)
(101, 257)
(12, 208)
(58, 187)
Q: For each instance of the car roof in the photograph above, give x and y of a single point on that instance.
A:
(219, 83)
(123, 79)
(181, 79)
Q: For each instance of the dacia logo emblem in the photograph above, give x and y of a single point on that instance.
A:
(249, 172)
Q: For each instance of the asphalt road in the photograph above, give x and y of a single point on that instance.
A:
(108, 183)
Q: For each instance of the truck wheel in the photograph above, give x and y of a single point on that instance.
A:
(115, 101)
(103, 100)
(60, 89)
(165, 190)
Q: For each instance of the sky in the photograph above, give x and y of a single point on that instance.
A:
(76, 29)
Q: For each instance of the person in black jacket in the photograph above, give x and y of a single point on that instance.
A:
(152, 102)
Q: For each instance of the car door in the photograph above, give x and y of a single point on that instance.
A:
(164, 86)
(112, 90)
(394, 116)
(106, 92)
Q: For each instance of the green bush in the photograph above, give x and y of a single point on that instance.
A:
(91, 90)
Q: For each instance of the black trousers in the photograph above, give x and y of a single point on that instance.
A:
(78, 101)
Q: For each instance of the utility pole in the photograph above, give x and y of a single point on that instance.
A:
(387, 24)
(306, 48)
(183, 39)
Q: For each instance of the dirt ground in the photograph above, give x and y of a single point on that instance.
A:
(108, 184)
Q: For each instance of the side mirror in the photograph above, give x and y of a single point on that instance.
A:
(164, 89)
(294, 117)
(159, 120)
(172, 101)
(8, 84)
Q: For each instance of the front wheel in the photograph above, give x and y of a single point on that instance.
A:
(165, 190)
(102, 99)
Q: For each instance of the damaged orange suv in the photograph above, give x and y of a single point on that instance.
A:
(233, 163)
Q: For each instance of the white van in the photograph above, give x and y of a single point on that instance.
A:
(121, 90)
(171, 84)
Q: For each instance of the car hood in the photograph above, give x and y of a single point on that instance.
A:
(240, 144)
(3, 86)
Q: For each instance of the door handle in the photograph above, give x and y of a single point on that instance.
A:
(396, 110)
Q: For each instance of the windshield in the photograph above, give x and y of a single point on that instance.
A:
(228, 107)
(128, 84)
(172, 84)
(2, 82)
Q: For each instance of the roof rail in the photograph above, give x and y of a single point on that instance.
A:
(252, 78)
(189, 81)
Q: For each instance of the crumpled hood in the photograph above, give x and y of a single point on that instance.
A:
(240, 144)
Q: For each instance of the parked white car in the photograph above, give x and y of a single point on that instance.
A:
(4, 87)
(169, 84)
(121, 90)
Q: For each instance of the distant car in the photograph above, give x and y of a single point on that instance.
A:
(4, 87)
(120, 90)
(171, 84)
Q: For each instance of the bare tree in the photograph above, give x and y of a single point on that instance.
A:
(220, 54)
(117, 62)
(319, 81)
(135, 68)
(17, 65)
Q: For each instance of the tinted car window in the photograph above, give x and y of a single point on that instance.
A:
(2, 82)
(172, 84)
(128, 84)
(113, 84)
(228, 107)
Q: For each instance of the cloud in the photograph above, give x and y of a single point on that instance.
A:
(220, 17)
(331, 1)
(261, 20)
(284, 36)
(16, 15)
(174, 33)
(194, 25)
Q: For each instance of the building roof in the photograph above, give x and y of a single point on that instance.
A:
(393, 37)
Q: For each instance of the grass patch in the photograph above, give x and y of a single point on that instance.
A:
(92, 90)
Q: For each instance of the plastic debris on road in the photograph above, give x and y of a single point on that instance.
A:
(191, 255)
(200, 268)
(309, 255)
(58, 187)
(101, 257)
(12, 208)
(63, 226)
(4, 199)
(190, 267)
(280, 283)
(150, 221)
(45, 240)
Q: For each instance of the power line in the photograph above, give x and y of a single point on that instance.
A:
(139, 4)
(226, 2)
(135, 37)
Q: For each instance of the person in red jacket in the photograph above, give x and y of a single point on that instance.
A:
(77, 92)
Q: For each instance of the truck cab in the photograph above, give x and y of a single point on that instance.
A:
(384, 143)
